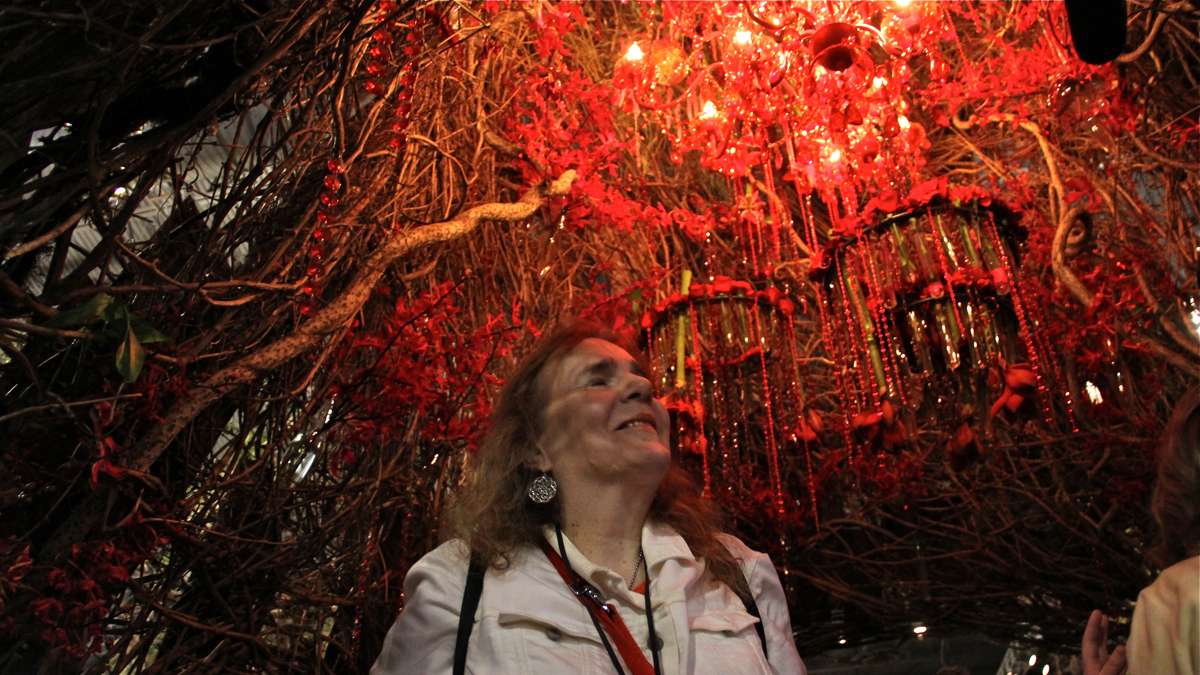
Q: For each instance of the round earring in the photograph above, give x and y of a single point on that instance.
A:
(542, 489)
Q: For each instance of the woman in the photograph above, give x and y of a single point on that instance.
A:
(1164, 637)
(583, 525)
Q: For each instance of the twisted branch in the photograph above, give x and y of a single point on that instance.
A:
(326, 321)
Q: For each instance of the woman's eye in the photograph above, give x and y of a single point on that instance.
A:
(597, 382)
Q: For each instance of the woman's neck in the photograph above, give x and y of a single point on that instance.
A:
(606, 527)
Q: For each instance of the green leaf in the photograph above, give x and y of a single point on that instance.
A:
(130, 355)
(87, 313)
(146, 334)
(116, 312)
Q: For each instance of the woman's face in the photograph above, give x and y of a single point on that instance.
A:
(602, 422)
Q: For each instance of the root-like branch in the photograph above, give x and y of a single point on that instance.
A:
(309, 334)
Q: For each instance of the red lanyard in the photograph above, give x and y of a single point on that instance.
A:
(605, 616)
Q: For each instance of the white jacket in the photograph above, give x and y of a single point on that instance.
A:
(1164, 638)
(529, 622)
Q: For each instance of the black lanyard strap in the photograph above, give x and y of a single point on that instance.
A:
(653, 637)
(584, 589)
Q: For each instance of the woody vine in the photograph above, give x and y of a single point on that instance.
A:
(919, 313)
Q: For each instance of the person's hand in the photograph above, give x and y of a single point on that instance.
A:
(1094, 648)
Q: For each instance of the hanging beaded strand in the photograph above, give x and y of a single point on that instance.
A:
(698, 387)
(776, 214)
(941, 247)
(1026, 335)
(717, 395)
(1054, 371)
(886, 336)
(772, 444)
(802, 405)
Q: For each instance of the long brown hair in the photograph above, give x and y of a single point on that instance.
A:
(1176, 499)
(491, 511)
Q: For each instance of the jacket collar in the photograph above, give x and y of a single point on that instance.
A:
(660, 543)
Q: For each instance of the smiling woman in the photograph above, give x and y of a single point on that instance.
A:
(580, 547)
(603, 432)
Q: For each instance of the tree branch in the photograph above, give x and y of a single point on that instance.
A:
(307, 336)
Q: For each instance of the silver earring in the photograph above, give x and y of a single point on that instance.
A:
(542, 489)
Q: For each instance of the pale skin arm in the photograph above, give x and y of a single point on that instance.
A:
(1094, 648)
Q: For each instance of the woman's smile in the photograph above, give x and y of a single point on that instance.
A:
(643, 421)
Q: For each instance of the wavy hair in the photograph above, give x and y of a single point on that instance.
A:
(1175, 502)
(491, 511)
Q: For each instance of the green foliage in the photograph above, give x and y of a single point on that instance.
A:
(116, 322)
(130, 355)
(89, 312)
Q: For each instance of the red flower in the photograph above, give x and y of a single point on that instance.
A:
(47, 610)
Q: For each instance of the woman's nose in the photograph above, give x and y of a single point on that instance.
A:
(637, 388)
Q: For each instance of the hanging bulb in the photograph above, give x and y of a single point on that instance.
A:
(634, 53)
(709, 111)
(742, 37)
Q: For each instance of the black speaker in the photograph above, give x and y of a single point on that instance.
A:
(1097, 29)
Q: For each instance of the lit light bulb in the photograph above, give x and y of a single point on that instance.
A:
(1093, 393)
(903, 3)
(1046, 669)
(903, 122)
(836, 156)
(742, 37)
(878, 82)
(1032, 660)
(920, 630)
(841, 641)
(634, 53)
(709, 111)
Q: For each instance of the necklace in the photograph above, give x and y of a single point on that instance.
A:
(636, 567)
